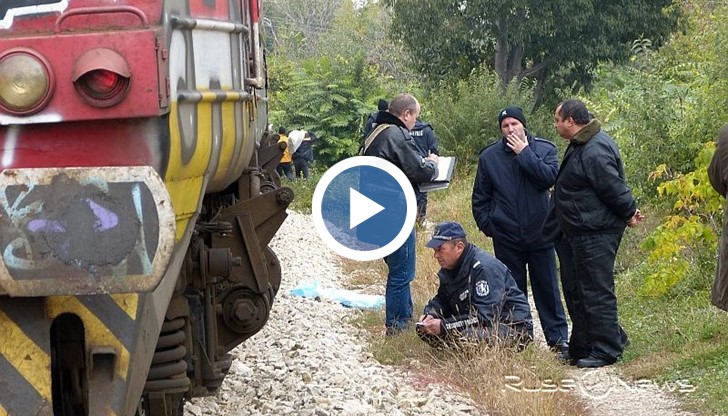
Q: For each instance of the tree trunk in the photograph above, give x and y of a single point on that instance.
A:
(502, 51)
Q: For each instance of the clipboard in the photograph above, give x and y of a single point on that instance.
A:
(445, 169)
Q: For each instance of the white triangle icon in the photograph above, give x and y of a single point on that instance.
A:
(361, 208)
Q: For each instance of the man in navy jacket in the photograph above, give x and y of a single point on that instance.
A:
(510, 203)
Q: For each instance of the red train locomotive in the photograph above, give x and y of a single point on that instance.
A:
(136, 206)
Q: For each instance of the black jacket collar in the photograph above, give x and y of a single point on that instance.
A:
(385, 117)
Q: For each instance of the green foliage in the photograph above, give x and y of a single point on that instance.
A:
(465, 116)
(333, 90)
(663, 105)
(676, 338)
(642, 110)
(675, 247)
(303, 190)
(527, 38)
(697, 57)
(324, 96)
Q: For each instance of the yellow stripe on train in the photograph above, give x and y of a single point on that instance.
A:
(127, 303)
(185, 180)
(23, 354)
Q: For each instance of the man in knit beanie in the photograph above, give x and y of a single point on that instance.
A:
(513, 112)
(510, 202)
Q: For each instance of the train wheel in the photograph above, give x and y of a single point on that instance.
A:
(161, 405)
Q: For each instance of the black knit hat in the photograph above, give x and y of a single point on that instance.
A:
(514, 112)
(383, 105)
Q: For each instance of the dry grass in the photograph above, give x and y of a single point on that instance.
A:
(505, 382)
(501, 381)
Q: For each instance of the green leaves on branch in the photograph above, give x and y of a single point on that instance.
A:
(678, 247)
(465, 118)
(321, 96)
(329, 65)
(527, 38)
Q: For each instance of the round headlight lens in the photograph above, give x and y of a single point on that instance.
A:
(102, 86)
(24, 82)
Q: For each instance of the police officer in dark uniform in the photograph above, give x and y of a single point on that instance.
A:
(510, 203)
(477, 300)
(426, 141)
(382, 107)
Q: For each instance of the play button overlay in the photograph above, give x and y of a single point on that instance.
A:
(364, 208)
(361, 208)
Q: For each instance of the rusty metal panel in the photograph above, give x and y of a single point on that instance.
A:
(83, 230)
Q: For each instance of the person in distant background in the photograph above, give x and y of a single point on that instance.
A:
(426, 141)
(718, 175)
(477, 299)
(303, 156)
(285, 166)
(371, 123)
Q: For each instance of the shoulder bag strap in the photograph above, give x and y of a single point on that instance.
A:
(368, 142)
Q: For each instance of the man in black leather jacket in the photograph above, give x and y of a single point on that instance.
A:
(390, 140)
(477, 300)
(593, 205)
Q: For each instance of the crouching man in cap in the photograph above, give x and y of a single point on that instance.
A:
(477, 300)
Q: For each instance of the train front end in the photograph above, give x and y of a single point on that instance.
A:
(135, 206)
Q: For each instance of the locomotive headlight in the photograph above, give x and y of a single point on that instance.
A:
(102, 77)
(25, 81)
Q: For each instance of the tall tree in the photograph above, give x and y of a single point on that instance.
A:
(297, 25)
(556, 42)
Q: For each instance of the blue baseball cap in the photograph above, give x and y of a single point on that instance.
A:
(445, 231)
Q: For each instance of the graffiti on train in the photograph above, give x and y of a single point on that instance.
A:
(9, 9)
(108, 229)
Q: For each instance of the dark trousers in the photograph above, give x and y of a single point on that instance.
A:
(285, 168)
(579, 345)
(542, 270)
(596, 329)
(568, 276)
(302, 167)
(421, 205)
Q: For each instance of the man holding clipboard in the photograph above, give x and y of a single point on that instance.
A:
(391, 141)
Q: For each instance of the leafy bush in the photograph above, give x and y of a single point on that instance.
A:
(465, 117)
(665, 104)
(685, 243)
(319, 96)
